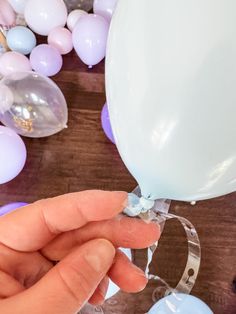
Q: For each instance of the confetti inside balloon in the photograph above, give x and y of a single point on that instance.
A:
(39, 108)
(6, 209)
(12, 154)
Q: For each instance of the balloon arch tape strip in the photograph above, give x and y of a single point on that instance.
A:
(158, 211)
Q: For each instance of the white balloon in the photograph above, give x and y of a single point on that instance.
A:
(44, 15)
(74, 17)
(113, 288)
(171, 89)
(18, 5)
(180, 304)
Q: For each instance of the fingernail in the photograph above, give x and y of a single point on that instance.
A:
(123, 195)
(101, 256)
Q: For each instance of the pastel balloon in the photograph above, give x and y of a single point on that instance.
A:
(39, 108)
(104, 8)
(74, 17)
(170, 83)
(21, 39)
(181, 304)
(46, 60)
(90, 38)
(12, 156)
(18, 5)
(42, 16)
(6, 98)
(12, 62)
(7, 14)
(106, 124)
(6, 209)
(61, 39)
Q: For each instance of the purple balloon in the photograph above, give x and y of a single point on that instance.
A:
(46, 60)
(104, 8)
(90, 38)
(6, 209)
(106, 124)
(12, 154)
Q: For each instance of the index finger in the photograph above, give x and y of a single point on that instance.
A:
(32, 227)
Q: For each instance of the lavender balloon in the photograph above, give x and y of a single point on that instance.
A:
(104, 8)
(106, 124)
(6, 209)
(90, 38)
(12, 154)
(46, 60)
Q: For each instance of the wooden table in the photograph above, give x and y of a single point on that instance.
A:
(82, 158)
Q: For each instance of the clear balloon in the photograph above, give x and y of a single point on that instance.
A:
(7, 14)
(85, 5)
(18, 5)
(39, 108)
(21, 39)
(6, 98)
(106, 124)
(46, 60)
(171, 95)
(12, 154)
(12, 62)
(74, 17)
(61, 39)
(90, 38)
(104, 8)
(6, 209)
(42, 16)
(181, 304)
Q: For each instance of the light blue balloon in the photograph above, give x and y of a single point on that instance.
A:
(21, 39)
(180, 304)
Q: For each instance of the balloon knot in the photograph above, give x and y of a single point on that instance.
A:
(137, 205)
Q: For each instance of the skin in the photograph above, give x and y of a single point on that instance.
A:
(58, 254)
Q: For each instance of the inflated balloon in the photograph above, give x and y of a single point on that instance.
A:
(171, 92)
(6, 209)
(61, 39)
(104, 8)
(85, 5)
(12, 156)
(90, 38)
(21, 39)
(18, 5)
(7, 14)
(46, 60)
(106, 124)
(6, 98)
(181, 304)
(12, 62)
(42, 16)
(39, 108)
(74, 17)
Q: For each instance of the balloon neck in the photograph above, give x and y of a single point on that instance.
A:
(137, 205)
(90, 66)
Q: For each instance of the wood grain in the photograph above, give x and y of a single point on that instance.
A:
(82, 158)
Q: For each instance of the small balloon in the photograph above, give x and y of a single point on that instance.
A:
(46, 60)
(6, 209)
(39, 108)
(12, 156)
(106, 124)
(104, 8)
(7, 14)
(181, 304)
(44, 15)
(18, 5)
(12, 62)
(90, 38)
(74, 17)
(21, 39)
(85, 5)
(61, 39)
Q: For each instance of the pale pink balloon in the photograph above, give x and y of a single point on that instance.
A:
(7, 14)
(11, 62)
(61, 39)
(74, 17)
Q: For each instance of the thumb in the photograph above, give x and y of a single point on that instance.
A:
(69, 285)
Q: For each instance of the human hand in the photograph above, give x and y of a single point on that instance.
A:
(82, 233)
